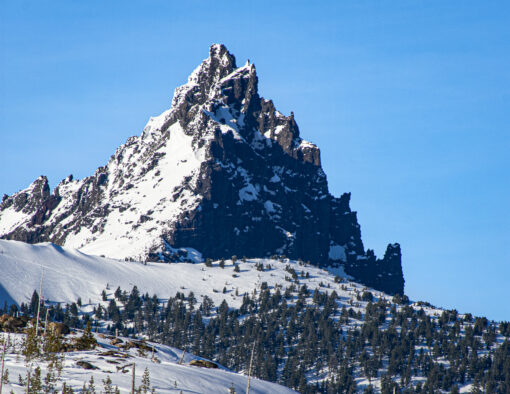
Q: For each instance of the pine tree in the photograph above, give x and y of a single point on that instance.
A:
(34, 303)
(35, 384)
(87, 340)
(30, 347)
(66, 389)
(91, 388)
(108, 386)
(118, 293)
(146, 382)
(5, 377)
(49, 381)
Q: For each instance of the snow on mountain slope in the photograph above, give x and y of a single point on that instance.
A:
(130, 230)
(69, 274)
(167, 375)
(218, 170)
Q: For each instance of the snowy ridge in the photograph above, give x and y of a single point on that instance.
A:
(70, 274)
(124, 234)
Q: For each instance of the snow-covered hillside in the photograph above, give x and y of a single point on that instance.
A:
(374, 341)
(70, 274)
(169, 370)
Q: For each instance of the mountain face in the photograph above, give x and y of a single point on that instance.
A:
(220, 173)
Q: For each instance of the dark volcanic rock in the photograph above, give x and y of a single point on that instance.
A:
(221, 173)
(383, 274)
(86, 365)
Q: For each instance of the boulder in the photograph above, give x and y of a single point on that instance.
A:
(4, 318)
(203, 364)
(86, 365)
(13, 324)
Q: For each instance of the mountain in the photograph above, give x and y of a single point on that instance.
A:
(220, 173)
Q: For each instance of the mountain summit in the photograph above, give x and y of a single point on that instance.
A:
(220, 173)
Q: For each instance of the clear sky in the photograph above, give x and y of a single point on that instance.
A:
(409, 102)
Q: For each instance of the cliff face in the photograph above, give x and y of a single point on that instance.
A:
(220, 173)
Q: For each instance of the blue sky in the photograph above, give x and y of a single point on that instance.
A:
(409, 102)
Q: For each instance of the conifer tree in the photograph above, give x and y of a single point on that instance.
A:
(35, 384)
(87, 340)
(34, 303)
(30, 347)
(108, 386)
(5, 377)
(91, 388)
(146, 382)
(49, 381)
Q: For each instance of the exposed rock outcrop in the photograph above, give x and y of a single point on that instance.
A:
(220, 173)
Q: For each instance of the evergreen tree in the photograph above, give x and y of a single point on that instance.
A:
(91, 388)
(87, 340)
(30, 347)
(34, 303)
(146, 382)
(108, 386)
(35, 383)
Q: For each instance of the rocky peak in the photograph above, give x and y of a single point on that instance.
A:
(218, 65)
(221, 173)
(204, 80)
(28, 200)
(219, 93)
(203, 83)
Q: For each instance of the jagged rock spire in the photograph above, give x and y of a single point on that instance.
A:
(220, 173)
(205, 78)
